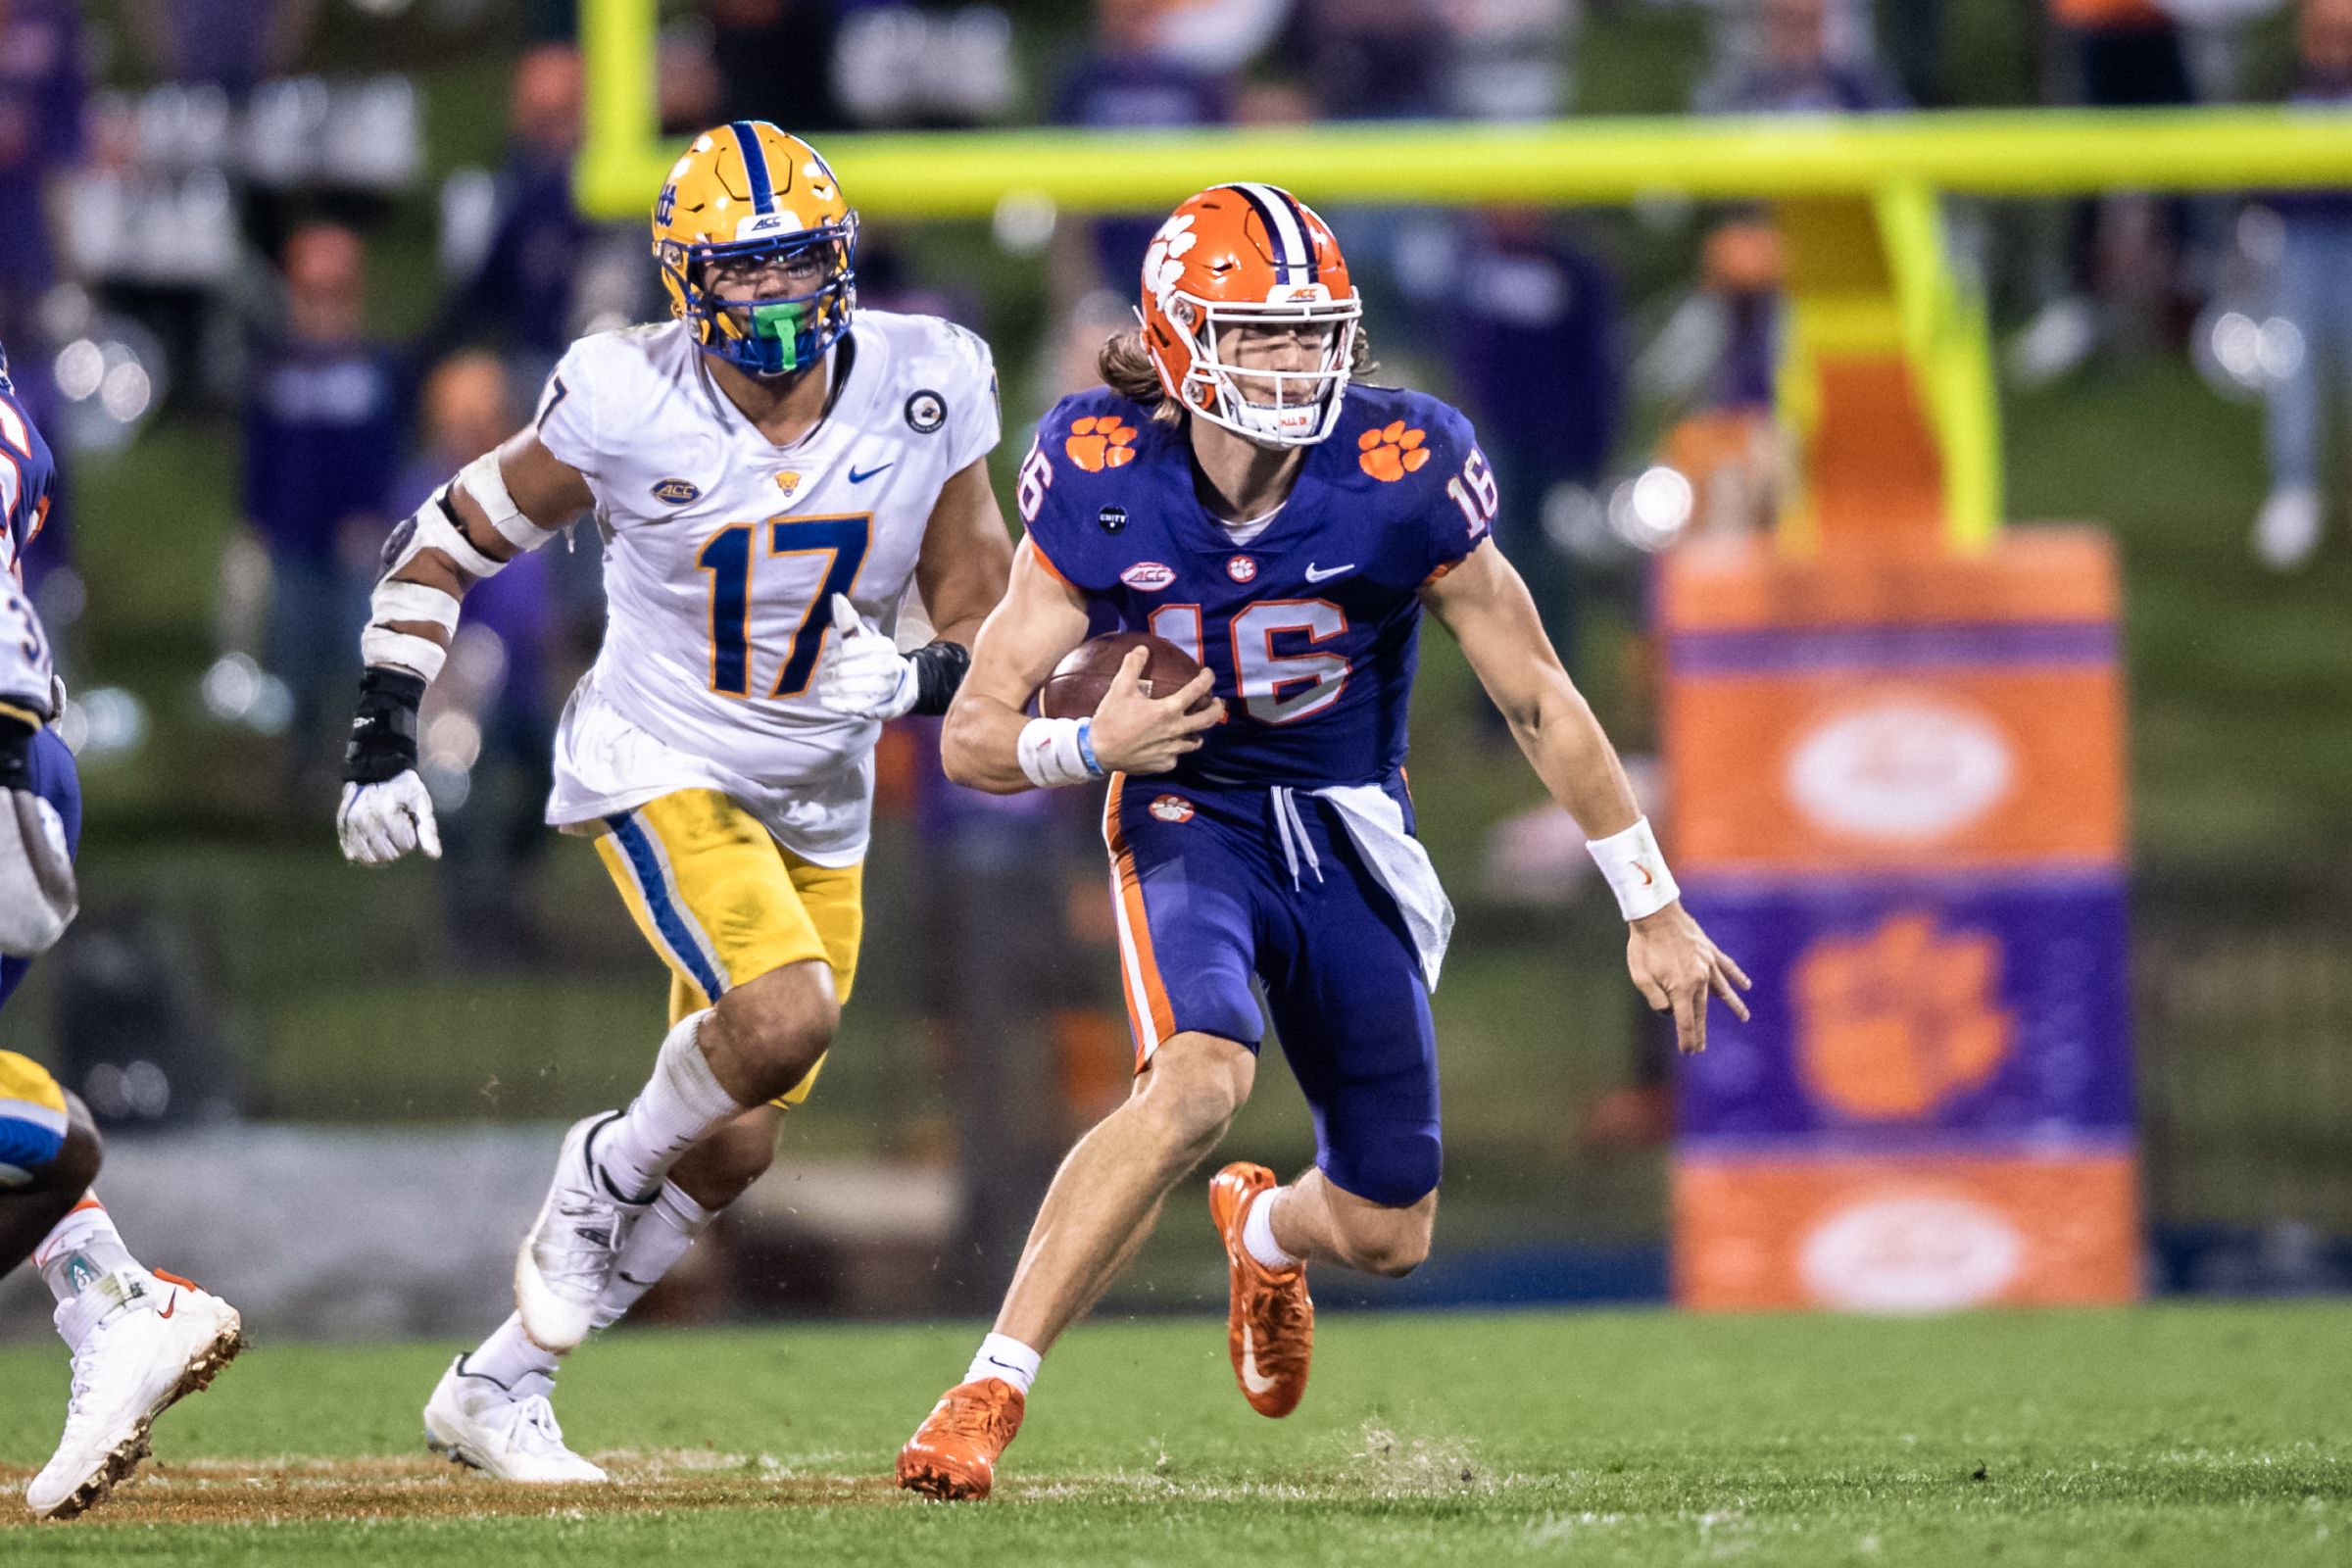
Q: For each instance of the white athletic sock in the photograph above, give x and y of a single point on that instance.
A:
(1007, 1359)
(1258, 1231)
(659, 1240)
(81, 1250)
(681, 1105)
(508, 1357)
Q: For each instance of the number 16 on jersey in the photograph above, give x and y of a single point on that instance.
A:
(728, 558)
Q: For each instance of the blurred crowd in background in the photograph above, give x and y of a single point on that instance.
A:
(191, 206)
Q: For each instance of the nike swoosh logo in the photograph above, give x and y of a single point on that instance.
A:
(643, 1285)
(170, 1306)
(1648, 880)
(1252, 1378)
(1324, 575)
(860, 479)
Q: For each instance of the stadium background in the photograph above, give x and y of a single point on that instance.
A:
(373, 1064)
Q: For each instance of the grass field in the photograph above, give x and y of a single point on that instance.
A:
(2188, 1435)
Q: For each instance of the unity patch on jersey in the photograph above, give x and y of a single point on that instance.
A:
(1113, 518)
(926, 412)
(677, 491)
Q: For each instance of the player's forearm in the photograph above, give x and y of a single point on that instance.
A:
(1573, 757)
(979, 744)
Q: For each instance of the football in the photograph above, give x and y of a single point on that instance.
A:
(1078, 683)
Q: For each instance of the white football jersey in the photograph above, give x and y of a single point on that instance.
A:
(722, 552)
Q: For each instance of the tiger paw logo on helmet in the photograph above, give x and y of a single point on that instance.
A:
(1390, 453)
(1100, 441)
(1248, 316)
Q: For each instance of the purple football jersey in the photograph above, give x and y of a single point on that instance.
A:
(1313, 627)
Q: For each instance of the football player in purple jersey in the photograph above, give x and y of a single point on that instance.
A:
(1231, 491)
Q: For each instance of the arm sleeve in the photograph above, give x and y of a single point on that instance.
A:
(567, 418)
(26, 679)
(1458, 499)
(975, 420)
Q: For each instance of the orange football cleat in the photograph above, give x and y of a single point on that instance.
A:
(1270, 1324)
(953, 1455)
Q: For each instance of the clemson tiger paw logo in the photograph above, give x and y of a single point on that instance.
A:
(1100, 441)
(1392, 452)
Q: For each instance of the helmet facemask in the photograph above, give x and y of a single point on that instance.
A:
(770, 334)
(1277, 408)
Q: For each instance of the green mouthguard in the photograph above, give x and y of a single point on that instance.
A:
(781, 324)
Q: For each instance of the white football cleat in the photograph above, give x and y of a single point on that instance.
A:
(142, 1343)
(573, 1248)
(481, 1421)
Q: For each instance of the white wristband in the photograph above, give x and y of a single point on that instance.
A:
(1636, 868)
(1053, 752)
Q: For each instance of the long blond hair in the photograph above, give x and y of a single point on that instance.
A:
(1126, 367)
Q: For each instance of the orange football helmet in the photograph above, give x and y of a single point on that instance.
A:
(1251, 256)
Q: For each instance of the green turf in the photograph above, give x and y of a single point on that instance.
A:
(2189, 1435)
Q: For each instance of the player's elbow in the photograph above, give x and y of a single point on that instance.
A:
(963, 753)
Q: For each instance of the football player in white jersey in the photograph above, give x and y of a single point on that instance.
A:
(771, 471)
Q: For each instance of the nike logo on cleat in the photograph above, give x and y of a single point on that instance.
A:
(1252, 1378)
(1325, 574)
(171, 1306)
(856, 477)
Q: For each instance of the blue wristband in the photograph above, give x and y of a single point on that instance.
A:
(1085, 747)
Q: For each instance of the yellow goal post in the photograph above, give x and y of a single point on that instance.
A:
(1879, 177)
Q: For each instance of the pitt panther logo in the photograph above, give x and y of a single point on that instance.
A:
(788, 481)
(1100, 441)
(1894, 1021)
(677, 491)
(1390, 453)
(1172, 809)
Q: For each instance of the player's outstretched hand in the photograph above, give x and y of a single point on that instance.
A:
(1138, 734)
(861, 674)
(1677, 968)
(380, 824)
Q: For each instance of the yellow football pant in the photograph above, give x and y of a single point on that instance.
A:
(723, 902)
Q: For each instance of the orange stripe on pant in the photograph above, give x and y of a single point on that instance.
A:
(1149, 1013)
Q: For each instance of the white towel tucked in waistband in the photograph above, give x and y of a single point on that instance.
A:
(1376, 822)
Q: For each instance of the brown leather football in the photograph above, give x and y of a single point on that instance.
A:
(1078, 683)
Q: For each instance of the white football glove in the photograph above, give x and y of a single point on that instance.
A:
(380, 824)
(861, 674)
(38, 898)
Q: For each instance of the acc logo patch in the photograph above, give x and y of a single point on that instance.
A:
(926, 412)
(1148, 576)
(1240, 568)
(1172, 809)
(1113, 518)
(788, 481)
(677, 491)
